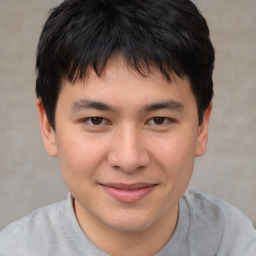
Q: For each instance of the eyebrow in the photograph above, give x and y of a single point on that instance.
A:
(170, 104)
(89, 104)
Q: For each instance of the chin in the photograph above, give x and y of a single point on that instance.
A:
(131, 227)
(131, 224)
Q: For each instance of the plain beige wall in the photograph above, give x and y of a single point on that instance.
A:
(30, 179)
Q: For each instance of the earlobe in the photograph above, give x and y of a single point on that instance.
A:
(203, 132)
(47, 131)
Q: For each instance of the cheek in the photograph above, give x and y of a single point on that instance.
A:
(176, 149)
(79, 158)
(176, 156)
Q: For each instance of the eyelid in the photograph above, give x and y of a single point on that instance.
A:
(88, 120)
(167, 120)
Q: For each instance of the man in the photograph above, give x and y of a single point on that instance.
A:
(124, 93)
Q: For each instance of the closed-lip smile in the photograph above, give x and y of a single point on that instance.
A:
(128, 193)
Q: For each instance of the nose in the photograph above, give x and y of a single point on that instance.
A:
(128, 152)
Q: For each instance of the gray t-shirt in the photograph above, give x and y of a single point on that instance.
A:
(207, 226)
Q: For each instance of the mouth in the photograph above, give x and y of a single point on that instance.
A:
(128, 193)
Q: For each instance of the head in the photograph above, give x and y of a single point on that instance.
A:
(124, 90)
(170, 36)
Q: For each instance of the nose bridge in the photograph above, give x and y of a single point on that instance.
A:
(128, 151)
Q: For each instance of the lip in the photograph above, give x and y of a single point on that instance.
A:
(128, 193)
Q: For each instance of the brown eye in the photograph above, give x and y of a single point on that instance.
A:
(96, 120)
(159, 120)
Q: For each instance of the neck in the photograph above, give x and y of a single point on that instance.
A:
(114, 242)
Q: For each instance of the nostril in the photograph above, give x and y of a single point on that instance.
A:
(116, 167)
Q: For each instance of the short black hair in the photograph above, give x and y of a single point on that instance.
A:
(170, 35)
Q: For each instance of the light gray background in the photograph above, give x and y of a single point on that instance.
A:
(29, 178)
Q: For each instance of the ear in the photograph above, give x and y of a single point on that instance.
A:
(202, 137)
(47, 131)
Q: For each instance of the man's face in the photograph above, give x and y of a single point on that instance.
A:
(126, 145)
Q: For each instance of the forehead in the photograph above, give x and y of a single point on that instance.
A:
(118, 64)
(123, 84)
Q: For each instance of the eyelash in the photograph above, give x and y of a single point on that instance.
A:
(163, 121)
(98, 121)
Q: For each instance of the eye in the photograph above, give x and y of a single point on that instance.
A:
(96, 121)
(159, 120)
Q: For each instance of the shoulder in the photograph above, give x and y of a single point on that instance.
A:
(205, 204)
(208, 206)
(34, 225)
(235, 232)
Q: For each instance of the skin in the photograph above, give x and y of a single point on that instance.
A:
(146, 132)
